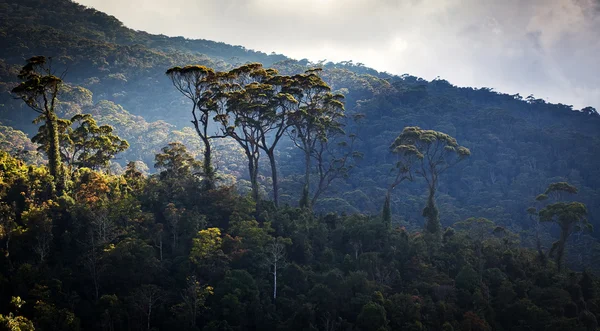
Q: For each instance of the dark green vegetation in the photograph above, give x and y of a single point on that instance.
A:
(302, 196)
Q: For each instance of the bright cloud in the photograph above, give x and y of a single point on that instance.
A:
(548, 48)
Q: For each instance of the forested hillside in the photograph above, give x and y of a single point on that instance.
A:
(149, 182)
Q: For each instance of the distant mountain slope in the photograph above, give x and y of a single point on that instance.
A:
(519, 144)
(72, 18)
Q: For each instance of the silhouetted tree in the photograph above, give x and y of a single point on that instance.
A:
(39, 90)
(440, 152)
(197, 83)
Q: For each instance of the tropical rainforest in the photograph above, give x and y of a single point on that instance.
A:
(158, 183)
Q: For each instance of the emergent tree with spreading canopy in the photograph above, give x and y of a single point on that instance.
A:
(440, 152)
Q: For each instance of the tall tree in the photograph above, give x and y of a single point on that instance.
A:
(145, 299)
(534, 216)
(440, 152)
(403, 170)
(569, 216)
(197, 83)
(276, 258)
(246, 100)
(334, 157)
(39, 90)
(318, 114)
(274, 123)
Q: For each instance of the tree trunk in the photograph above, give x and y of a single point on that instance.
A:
(271, 156)
(194, 313)
(387, 210)
(305, 200)
(431, 214)
(54, 159)
(160, 248)
(207, 165)
(149, 314)
(253, 172)
(538, 243)
(561, 248)
(275, 281)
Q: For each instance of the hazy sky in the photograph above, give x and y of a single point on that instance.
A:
(549, 48)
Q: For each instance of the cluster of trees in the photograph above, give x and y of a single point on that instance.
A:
(85, 146)
(86, 249)
(94, 241)
(257, 107)
(518, 149)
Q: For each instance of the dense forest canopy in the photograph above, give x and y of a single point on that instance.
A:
(149, 182)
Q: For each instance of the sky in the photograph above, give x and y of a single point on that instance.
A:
(548, 48)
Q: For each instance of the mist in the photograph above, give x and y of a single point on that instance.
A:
(547, 48)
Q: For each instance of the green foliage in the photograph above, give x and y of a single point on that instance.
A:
(85, 146)
(131, 249)
(436, 152)
(207, 244)
(570, 217)
(372, 317)
(39, 91)
(329, 271)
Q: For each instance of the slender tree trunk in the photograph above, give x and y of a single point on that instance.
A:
(160, 248)
(387, 210)
(54, 159)
(275, 281)
(541, 255)
(274, 178)
(207, 165)
(253, 172)
(305, 200)
(255, 188)
(561, 248)
(431, 214)
(149, 314)
(175, 240)
(93, 267)
(194, 312)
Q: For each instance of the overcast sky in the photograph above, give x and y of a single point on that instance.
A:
(549, 48)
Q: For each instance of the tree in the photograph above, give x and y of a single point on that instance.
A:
(194, 297)
(569, 216)
(440, 152)
(11, 322)
(93, 193)
(534, 216)
(372, 317)
(478, 229)
(334, 158)
(173, 216)
(276, 258)
(403, 170)
(39, 225)
(87, 145)
(39, 90)
(245, 101)
(197, 83)
(175, 161)
(206, 247)
(274, 123)
(145, 298)
(317, 116)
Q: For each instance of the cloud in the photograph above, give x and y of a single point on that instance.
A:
(548, 48)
